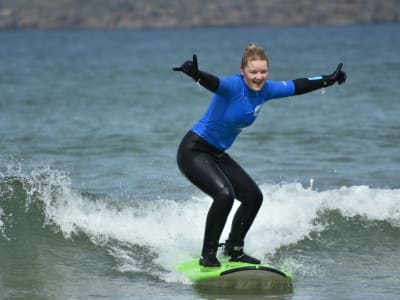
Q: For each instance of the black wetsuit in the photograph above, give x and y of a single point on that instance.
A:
(219, 176)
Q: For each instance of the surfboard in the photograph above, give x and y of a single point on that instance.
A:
(235, 275)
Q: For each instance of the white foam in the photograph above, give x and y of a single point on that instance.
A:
(173, 230)
(373, 204)
(2, 225)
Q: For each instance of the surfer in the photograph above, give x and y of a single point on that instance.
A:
(202, 155)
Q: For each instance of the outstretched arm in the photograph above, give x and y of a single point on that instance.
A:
(305, 85)
(190, 68)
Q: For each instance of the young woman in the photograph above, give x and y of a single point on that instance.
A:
(201, 156)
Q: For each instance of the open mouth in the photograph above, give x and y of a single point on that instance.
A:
(257, 83)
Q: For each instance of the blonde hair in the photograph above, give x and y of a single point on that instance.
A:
(252, 52)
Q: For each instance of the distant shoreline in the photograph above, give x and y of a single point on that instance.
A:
(152, 14)
(101, 29)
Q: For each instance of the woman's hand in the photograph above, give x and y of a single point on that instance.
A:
(338, 76)
(190, 68)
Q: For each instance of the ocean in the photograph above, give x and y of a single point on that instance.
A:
(93, 206)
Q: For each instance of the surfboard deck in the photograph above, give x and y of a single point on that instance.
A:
(235, 275)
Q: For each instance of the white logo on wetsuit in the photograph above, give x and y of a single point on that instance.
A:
(257, 110)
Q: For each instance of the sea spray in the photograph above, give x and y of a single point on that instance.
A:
(154, 236)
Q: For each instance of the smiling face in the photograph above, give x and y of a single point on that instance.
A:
(255, 73)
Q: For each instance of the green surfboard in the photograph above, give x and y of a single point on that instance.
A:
(236, 275)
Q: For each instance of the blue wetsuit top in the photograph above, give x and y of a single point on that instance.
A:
(235, 106)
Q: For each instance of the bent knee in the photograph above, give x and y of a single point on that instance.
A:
(258, 198)
(255, 198)
(225, 197)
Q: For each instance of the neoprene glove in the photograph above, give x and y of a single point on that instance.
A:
(190, 68)
(338, 76)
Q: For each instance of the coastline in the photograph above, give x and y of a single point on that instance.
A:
(131, 14)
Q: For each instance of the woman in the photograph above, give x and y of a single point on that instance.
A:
(201, 155)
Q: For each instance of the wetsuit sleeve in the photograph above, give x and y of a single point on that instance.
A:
(305, 85)
(229, 86)
(279, 89)
(209, 81)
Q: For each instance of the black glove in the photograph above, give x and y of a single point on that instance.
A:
(338, 76)
(190, 68)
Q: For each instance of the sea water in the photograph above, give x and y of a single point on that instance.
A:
(92, 204)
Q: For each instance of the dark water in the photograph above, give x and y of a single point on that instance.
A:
(93, 206)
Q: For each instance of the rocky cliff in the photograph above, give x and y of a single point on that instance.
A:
(94, 14)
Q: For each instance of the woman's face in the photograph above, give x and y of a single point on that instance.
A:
(255, 74)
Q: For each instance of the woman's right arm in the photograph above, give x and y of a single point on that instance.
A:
(190, 68)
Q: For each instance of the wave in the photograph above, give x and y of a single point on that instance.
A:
(151, 237)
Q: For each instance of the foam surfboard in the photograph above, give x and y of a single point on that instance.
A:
(235, 275)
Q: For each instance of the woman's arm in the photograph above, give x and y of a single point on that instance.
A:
(190, 68)
(305, 85)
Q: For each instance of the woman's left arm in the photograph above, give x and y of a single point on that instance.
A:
(305, 85)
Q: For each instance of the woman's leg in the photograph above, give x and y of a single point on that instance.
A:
(250, 196)
(198, 162)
